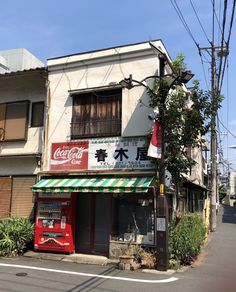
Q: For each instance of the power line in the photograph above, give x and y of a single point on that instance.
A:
(222, 46)
(203, 69)
(233, 135)
(227, 43)
(217, 19)
(182, 19)
(199, 21)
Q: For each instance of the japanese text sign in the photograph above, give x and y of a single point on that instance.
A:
(100, 154)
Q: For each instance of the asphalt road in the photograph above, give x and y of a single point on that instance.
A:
(214, 271)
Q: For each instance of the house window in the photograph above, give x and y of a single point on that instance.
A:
(13, 121)
(37, 114)
(96, 114)
(133, 218)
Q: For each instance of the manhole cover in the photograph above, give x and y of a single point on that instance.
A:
(21, 274)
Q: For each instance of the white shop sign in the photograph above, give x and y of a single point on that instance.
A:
(118, 153)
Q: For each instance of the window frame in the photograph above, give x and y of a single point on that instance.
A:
(4, 121)
(32, 114)
(106, 113)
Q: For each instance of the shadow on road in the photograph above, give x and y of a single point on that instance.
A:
(229, 214)
(94, 282)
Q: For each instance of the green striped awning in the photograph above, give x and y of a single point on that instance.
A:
(104, 185)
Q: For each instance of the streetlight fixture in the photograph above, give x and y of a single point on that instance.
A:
(161, 219)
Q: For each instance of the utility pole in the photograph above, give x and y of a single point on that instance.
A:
(214, 95)
(214, 51)
(213, 156)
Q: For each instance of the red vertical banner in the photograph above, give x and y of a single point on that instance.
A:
(154, 149)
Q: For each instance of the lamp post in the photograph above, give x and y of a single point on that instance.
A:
(161, 219)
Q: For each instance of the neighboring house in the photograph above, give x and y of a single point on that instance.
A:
(22, 98)
(231, 198)
(195, 191)
(96, 191)
(193, 195)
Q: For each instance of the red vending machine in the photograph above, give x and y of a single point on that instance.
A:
(54, 229)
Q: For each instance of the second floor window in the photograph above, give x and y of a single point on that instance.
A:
(14, 121)
(96, 114)
(37, 114)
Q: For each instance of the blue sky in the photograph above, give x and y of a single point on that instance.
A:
(52, 28)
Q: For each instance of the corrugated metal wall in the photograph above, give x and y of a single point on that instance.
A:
(16, 198)
(5, 196)
(22, 197)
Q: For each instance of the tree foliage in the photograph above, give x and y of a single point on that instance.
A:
(186, 237)
(15, 235)
(222, 192)
(185, 116)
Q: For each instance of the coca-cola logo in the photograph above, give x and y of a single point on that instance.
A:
(72, 155)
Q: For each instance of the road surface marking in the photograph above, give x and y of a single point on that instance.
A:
(172, 279)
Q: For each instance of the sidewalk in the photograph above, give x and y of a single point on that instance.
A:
(75, 258)
(220, 247)
(88, 259)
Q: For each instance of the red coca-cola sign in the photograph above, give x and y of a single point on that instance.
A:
(70, 155)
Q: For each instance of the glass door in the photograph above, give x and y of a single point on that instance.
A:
(84, 223)
(93, 223)
(102, 223)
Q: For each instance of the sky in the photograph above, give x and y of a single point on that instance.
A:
(53, 28)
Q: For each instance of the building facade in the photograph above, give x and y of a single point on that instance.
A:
(97, 189)
(22, 95)
(96, 151)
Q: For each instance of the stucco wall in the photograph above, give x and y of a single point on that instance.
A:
(18, 166)
(19, 157)
(95, 70)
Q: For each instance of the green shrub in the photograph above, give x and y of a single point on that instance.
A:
(15, 235)
(185, 238)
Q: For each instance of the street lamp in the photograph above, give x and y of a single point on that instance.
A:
(161, 219)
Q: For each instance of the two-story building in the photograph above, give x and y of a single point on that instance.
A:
(22, 99)
(96, 191)
(95, 154)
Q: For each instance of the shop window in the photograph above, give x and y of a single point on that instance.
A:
(37, 114)
(13, 121)
(133, 219)
(96, 114)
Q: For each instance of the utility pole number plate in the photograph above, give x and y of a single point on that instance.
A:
(161, 224)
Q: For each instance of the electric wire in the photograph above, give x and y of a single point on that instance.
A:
(227, 107)
(219, 144)
(227, 43)
(217, 19)
(219, 77)
(233, 135)
(199, 21)
(182, 19)
(204, 72)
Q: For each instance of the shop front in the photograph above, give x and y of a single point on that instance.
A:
(86, 215)
(107, 208)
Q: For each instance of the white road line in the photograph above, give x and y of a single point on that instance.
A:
(172, 279)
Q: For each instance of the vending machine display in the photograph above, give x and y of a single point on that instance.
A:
(54, 228)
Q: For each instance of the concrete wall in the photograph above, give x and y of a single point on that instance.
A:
(18, 166)
(19, 59)
(232, 182)
(197, 175)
